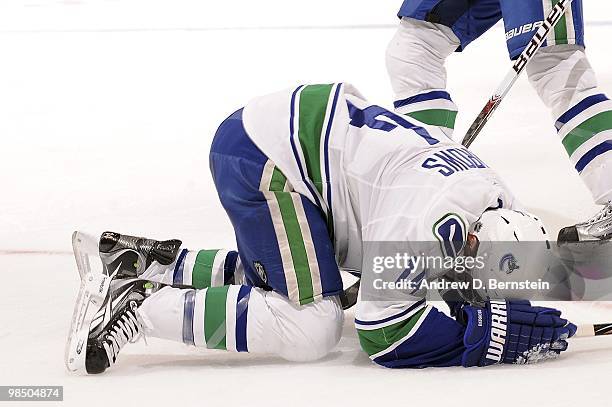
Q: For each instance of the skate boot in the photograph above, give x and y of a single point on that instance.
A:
(104, 320)
(598, 228)
(130, 256)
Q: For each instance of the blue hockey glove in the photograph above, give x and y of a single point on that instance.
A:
(512, 332)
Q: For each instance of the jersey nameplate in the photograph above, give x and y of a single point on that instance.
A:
(451, 160)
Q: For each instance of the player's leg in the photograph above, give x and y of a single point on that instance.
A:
(113, 311)
(244, 319)
(200, 269)
(565, 81)
(283, 239)
(287, 254)
(168, 262)
(429, 31)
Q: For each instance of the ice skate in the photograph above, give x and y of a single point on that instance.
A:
(598, 228)
(129, 256)
(104, 320)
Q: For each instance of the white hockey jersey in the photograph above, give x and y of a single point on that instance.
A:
(378, 176)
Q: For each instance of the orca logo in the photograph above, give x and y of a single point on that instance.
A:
(508, 263)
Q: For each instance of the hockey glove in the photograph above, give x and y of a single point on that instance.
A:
(512, 332)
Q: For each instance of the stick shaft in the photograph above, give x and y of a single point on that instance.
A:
(517, 68)
(585, 331)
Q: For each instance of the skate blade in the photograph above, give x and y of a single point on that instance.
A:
(84, 245)
(92, 293)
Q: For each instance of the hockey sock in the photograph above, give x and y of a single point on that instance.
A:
(243, 319)
(566, 83)
(199, 269)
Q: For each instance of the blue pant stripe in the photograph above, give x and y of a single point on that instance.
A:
(188, 308)
(332, 114)
(229, 267)
(177, 277)
(294, 147)
(436, 94)
(242, 311)
(413, 307)
(579, 108)
(593, 153)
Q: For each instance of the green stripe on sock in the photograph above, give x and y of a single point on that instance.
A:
(313, 105)
(296, 246)
(436, 117)
(214, 317)
(202, 269)
(380, 339)
(560, 28)
(277, 183)
(587, 129)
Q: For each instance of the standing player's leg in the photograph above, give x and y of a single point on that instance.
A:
(565, 81)
(429, 31)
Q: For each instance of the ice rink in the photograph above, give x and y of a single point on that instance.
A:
(107, 110)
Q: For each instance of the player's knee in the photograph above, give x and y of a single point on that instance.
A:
(560, 72)
(401, 51)
(316, 334)
(415, 57)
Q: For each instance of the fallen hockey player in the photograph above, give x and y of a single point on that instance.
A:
(307, 176)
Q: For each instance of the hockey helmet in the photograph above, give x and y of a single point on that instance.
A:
(511, 246)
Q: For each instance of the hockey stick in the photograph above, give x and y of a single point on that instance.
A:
(585, 331)
(517, 68)
(348, 297)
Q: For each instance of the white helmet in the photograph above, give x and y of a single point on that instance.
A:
(495, 238)
(505, 225)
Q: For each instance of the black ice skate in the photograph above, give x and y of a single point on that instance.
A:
(121, 255)
(104, 320)
(130, 256)
(598, 228)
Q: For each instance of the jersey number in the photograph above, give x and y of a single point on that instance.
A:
(368, 117)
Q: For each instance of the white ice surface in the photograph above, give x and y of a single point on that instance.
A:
(107, 110)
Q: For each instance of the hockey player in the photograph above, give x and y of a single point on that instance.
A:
(308, 176)
(430, 30)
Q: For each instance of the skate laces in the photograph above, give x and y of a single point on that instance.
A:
(604, 213)
(127, 329)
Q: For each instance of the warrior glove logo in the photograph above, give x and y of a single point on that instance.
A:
(499, 319)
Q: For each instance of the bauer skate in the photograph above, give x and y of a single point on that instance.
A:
(128, 256)
(598, 228)
(104, 320)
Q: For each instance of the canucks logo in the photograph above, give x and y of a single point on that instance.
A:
(508, 263)
(261, 272)
(451, 233)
